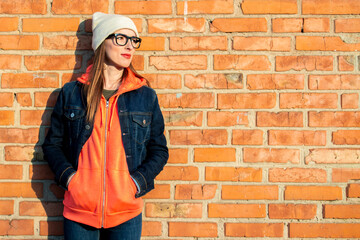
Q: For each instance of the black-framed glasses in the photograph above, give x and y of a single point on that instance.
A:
(122, 40)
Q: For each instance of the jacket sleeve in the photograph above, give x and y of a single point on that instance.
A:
(156, 156)
(54, 144)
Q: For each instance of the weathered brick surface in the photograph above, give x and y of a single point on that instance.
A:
(260, 101)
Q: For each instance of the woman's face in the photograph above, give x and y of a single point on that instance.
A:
(119, 56)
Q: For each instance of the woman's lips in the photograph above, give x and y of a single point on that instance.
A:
(127, 56)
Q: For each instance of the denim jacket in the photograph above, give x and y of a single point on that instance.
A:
(142, 129)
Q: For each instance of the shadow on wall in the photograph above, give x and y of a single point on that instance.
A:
(42, 179)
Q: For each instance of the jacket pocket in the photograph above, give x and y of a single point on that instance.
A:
(84, 191)
(74, 117)
(141, 123)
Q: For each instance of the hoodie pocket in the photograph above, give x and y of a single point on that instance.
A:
(83, 191)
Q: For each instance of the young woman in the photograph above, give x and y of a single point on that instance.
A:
(106, 142)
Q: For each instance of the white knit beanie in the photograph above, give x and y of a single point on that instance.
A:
(105, 24)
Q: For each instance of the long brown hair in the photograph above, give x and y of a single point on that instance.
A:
(93, 90)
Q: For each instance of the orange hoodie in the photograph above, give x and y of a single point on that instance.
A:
(102, 192)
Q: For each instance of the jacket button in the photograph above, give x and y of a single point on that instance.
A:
(72, 115)
(87, 126)
(144, 121)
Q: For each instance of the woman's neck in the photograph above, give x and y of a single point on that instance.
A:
(113, 77)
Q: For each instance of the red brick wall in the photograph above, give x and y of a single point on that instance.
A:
(261, 103)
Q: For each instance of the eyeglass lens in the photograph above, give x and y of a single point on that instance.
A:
(123, 39)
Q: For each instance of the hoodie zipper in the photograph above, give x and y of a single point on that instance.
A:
(103, 203)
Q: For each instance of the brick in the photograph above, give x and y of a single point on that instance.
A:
(6, 207)
(164, 81)
(346, 63)
(205, 7)
(217, 210)
(57, 191)
(19, 42)
(24, 99)
(29, 80)
(50, 24)
(297, 175)
(40, 172)
(51, 228)
(346, 137)
(7, 117)
(333, 156)
(233, 192)
(214, 155)
(353, 190)
(21, 153)
(233, 174)
(214, 81)
(143, 7)
(282, 44)
(238, 25)
(279, 119)
(341, 211)
(17, 135)
(170, 25)
(292, 211)
(271, 155)
(184, 173)
(187, 100)
(173, 210)
(275, 81)
(195, 191)
(7, 99)
(345, 174)
(246, 100)
(308, 63)
(334, 82)
(308, 100)
(151, 229)
(316, 43)
(218, 119)
(8, 171)
(284, 25)
(198, 137)
(152, 44)
(349, 100)
(242, 62)
(348, 25)
(21, 189)
(62, 42)
(254, 229)
(59, 62)
(178, 155)
(317, 193)
(297, 137)
(330, 7)
(316, 24)
(198, 43)
(324, 230)
(12, 62)
(247, 137)
(50, 209)
(9, 24)
(334, 119)
(269, 7)
(45, 99)
(183, 118)
(138, 62)
(193, 229)
(194, 62)
(35, 117)
(23, 7)
(17, 227)
(161, 191)
(79, 6)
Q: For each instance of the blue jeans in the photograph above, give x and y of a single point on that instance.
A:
(130, 230)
